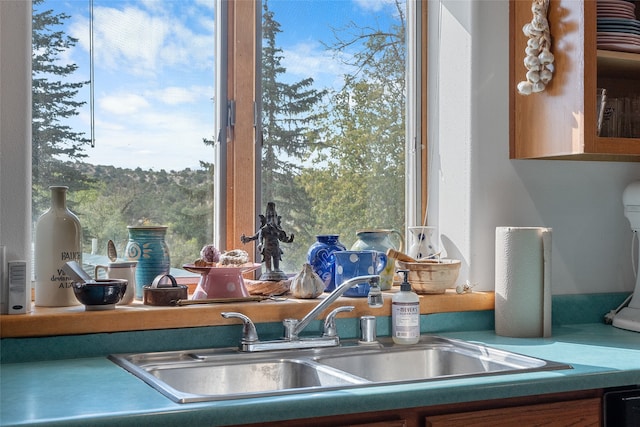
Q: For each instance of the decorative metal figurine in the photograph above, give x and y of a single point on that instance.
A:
(269, 236)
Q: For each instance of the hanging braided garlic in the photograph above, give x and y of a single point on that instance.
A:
(539, 59)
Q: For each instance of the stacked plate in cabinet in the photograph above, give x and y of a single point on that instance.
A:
(618, 28)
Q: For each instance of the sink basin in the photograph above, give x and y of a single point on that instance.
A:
(222, 374)
(435, 360)
(226, 380)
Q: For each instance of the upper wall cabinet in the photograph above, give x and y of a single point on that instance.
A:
(561, 121)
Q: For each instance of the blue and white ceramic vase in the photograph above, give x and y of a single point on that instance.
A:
(422, 242)
(147, 246)
(319, 256)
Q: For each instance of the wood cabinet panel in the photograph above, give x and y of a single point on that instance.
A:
(579, 408)
(585, 412)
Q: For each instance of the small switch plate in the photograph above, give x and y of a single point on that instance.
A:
(17, 280)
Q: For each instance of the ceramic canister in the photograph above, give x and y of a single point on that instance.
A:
(147, 246)
(379, 239)
(319, 257)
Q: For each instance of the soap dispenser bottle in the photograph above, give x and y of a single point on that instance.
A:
(405, 314)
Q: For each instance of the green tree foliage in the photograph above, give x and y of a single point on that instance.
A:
(290, 111)
(359, 178)
(181, 200)
(53, 101)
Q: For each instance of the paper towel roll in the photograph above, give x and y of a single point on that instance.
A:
(523, 282)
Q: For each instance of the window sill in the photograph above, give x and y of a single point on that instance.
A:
(52, 321)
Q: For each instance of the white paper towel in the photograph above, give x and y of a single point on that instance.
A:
(523, 282)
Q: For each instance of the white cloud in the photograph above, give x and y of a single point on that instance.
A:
(311, 59)
(182, 95)
(147, 131)
(153, 144)
(145, 41)
(128, 36)
(210, 4)
(374, 5)
(122, 104)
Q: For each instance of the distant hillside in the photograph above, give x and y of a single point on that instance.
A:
(117, 197)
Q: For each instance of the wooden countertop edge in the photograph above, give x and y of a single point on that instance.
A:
(52, 321)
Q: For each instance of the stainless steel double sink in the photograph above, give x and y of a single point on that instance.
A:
(226, 373)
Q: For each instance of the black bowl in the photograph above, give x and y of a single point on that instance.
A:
(100, 294)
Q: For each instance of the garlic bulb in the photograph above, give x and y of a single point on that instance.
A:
(533, 76)
(306, 284)
(525, 88)
(539, 59)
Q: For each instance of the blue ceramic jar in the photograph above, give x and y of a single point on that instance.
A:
(319, 256)
(147, 246)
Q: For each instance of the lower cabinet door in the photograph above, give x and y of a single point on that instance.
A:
(586, 412)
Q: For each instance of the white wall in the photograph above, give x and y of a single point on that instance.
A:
(15, 129)
(477, 188)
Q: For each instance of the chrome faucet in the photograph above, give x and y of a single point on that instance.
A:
(293, 327)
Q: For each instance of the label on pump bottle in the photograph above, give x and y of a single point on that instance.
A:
(406, 320)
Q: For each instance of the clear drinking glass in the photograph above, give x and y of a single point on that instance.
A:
(609, 122)
(601, 103)
(634, 113)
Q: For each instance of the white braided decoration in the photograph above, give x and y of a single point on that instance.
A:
(539, 59)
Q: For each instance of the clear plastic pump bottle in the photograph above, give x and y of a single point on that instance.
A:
(405, 314)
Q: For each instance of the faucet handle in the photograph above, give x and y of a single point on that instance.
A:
(249, 333)
(330, 329)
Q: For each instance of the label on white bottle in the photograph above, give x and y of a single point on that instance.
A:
(406, 319)
(59, 278)
(53, 286)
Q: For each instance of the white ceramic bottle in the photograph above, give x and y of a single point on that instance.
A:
(58, 240)
(405, 314)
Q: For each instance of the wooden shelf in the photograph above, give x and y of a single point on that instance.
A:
(618, 64)
(48, 321)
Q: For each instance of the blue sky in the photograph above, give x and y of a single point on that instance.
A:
(154, 62)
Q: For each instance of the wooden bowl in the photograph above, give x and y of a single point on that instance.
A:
(431, 276)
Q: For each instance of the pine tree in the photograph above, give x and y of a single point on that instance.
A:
(289, 110)
(53, 101)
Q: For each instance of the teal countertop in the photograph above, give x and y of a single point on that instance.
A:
(94, 391)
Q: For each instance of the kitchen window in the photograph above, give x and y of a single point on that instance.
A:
(416, 111)
(171, 123)
(16, 127)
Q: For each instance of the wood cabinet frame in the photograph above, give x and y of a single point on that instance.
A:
(560, 122)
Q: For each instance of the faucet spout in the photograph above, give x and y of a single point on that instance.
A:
(334, 295)
(292, 327)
